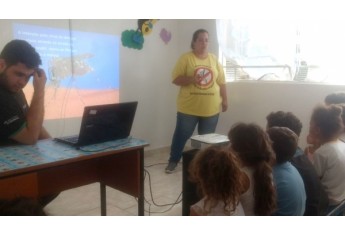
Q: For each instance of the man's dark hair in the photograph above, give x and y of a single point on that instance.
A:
(284, 119)
(20, 51)
(284, 143)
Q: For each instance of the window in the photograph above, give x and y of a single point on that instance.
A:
(286, 50)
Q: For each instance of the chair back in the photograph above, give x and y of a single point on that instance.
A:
(338, 210)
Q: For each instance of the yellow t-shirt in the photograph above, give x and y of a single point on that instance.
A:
(202, 99)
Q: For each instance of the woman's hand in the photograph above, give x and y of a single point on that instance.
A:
(224, 105)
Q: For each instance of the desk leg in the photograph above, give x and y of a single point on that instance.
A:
(141, 210)
(103, 200)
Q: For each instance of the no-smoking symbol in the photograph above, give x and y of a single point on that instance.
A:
(205, 77)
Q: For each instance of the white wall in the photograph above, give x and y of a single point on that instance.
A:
(253, 101)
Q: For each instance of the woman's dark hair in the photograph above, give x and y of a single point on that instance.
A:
(253, 146)
(20, 51)
(328, 119)
(196, 35)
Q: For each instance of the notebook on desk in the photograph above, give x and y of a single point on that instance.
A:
(103, 123)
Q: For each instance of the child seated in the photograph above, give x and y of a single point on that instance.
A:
(217, 174)
(326, 126)
(254, 151)
(291, 196)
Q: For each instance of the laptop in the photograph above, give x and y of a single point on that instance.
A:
(103, 123)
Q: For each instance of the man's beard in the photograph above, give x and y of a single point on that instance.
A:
(4, 81)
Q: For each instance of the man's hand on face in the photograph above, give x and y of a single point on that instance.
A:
(39, 80)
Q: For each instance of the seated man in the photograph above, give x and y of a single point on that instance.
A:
(20, 123)
(317, 199)
(291, 197)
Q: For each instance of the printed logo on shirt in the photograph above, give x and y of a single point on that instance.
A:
(11, 120)
(205, 78)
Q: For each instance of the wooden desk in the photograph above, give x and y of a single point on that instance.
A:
(50, 167)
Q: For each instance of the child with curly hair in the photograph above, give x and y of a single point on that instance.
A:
(217, 174)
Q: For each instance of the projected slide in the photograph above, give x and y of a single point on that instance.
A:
(82, 68)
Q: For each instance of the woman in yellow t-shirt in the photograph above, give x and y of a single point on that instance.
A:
(202, 94)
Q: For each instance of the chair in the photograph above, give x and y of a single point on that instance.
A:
(338, 210)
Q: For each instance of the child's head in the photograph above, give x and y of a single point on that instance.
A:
(253, 147)
(217, 173)
(284, 119)
(335, 98)
(326, 123)
(285, 143)
(251, 143)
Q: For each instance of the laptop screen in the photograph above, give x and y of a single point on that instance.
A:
(103, 123)
(106, 122)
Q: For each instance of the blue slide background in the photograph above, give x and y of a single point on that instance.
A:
(95, 55)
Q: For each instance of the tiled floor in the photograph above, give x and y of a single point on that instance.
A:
(166, 192)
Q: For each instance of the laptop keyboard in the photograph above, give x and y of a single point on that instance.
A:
(71, 139)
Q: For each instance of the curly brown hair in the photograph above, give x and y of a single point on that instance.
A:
(217, 173)
(253, 147)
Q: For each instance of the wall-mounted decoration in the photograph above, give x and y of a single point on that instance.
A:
(165, 36)
(135, 38)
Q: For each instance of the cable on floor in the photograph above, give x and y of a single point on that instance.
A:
(162, 163)
(178, 200)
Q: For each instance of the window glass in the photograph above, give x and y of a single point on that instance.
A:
(287, 50)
